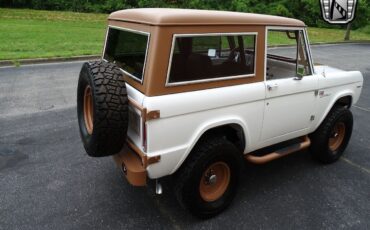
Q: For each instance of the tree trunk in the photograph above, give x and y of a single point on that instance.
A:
(348, 32)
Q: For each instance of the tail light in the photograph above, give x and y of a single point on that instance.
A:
(137, 127)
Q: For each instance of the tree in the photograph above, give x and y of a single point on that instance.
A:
(348, 31)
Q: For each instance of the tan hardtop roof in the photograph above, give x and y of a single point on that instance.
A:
(166, 17)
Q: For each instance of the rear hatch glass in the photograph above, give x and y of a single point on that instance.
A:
(128, 50)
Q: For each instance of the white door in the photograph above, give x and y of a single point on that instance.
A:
(290, 88)
(289, 106)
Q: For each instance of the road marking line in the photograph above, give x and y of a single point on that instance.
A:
(356, 165)
(364, 109)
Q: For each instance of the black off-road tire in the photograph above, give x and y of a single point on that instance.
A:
(207, 152)
(106, 133)
(320, 139)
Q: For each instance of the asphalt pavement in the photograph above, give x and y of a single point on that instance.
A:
(48, 182)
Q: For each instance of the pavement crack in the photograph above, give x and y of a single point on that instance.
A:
(165, 213)
(356, 165)
(361, 108)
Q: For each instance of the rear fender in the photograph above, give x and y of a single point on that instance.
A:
(208, 126)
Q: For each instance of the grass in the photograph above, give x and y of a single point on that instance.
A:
(40, 34)
(319, 35)
(335, 35)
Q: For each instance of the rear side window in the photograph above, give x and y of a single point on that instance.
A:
(211, 57)
(128, 50)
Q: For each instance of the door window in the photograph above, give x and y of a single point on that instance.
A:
(286, 55)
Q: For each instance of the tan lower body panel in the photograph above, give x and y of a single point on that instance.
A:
(132, 167)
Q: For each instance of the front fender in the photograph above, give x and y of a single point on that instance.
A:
(333, 85)
(333, 100)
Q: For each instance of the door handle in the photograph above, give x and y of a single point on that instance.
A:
(271, 87)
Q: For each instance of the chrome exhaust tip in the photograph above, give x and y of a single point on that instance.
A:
(158, 187)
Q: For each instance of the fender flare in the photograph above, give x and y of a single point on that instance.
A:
(203, 128)
(332, 103)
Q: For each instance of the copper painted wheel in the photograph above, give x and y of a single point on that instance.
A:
(214, 181)
(337, 136)
(88, 109)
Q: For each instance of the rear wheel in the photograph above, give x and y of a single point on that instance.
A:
(214, 181)
(331, 138)
(207, 181)
(102, 108)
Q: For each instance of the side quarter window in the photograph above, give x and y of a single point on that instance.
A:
(210, 57)
(286, 55)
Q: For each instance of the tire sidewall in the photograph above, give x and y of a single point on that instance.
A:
(227, 155)
(320, 138)
(83, 82)
(110, 108)
(347, 119)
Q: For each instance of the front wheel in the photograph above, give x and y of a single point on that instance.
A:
(331, 138)
(207, 181)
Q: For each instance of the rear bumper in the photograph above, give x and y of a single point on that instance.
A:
(133, 163)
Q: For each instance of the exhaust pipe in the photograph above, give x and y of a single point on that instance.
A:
(158, 187)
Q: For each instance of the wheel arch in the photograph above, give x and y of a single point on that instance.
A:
(234, 129)
(344, 99)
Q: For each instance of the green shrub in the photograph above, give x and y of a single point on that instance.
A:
(307, 10)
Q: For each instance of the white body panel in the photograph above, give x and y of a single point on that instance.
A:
(290, 101)
(266, 117)
(334, 84)
(186, 116)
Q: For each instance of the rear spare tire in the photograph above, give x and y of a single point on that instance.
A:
(102, 108)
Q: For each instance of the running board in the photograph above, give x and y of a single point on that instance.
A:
(306, 142)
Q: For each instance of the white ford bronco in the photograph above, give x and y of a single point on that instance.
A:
(193, 93)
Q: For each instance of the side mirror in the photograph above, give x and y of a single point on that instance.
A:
(298, 78)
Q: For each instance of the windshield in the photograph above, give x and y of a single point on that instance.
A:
(128, 50)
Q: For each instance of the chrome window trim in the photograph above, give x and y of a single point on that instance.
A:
(303, 29)
(168, 84)
(146, 51)
(308, 47)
